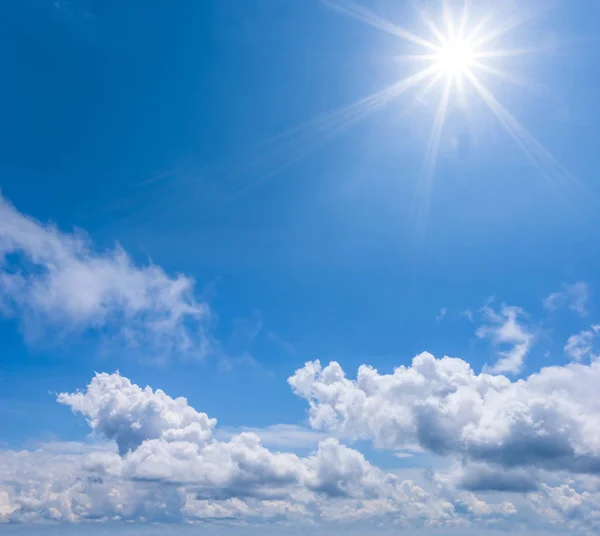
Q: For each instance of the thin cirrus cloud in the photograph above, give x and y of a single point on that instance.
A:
(52, 280)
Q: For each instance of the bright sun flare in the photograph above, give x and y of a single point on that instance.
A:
(455, 58)
(457, 53)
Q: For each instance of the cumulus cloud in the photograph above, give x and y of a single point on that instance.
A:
(483, 477)
(164, 439)
(548, 421)
(574, 504)
(167, 465)
(63, 486)
(287, 436)
(506, 332)
(574, 297)
(581, 345)
(55, 280)
(161, 459)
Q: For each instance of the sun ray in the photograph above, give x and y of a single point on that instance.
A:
(458, 51)
(447, 15)
(303, 140)
(515, 80)
(455, 50)
(425, 184)
(511, 53)
(456, 56)
(464, 18)
(533, 149)
(430, 24)
(352, 9)
(416, 57)
(507, 26)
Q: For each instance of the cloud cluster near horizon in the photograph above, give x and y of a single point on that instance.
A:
(523, 450)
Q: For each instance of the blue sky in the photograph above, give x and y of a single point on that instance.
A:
(190, 197)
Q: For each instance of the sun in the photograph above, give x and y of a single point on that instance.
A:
(455, 58)
(463, 55)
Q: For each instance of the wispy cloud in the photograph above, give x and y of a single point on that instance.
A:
(504, 330)
(286, 346)
(52, 280)
(468, 314)
(441, 314)
(574, 297)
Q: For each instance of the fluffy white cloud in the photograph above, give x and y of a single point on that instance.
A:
(163, 462)
(121, 410)
(550, 421)
(575, 504)
(288, 436)
(51, 279)
(58, 485)
(66, 485)
(575, 297)
(169, 466)
(581, 345)
(161, 439)
(504, 329)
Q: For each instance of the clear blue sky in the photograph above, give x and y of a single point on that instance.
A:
(216, 141)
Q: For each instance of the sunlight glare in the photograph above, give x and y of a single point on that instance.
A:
(460, 53)
(455, 58)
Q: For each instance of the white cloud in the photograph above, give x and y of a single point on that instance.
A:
(504, 329)
(167, 465)
(548, 421)
(581, 345)
(287, 436)
(162, 461)
(55, 280)
(571, 504)
(441, 314)
(574, 297)
(161, 439)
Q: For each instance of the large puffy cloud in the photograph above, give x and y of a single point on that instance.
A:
(549, 421)
(166, 464)
(121, 410)
(65, 485)
(162, 461)
(164, 439)
(51, 279)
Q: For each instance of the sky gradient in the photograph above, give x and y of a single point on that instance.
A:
(325, 264)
